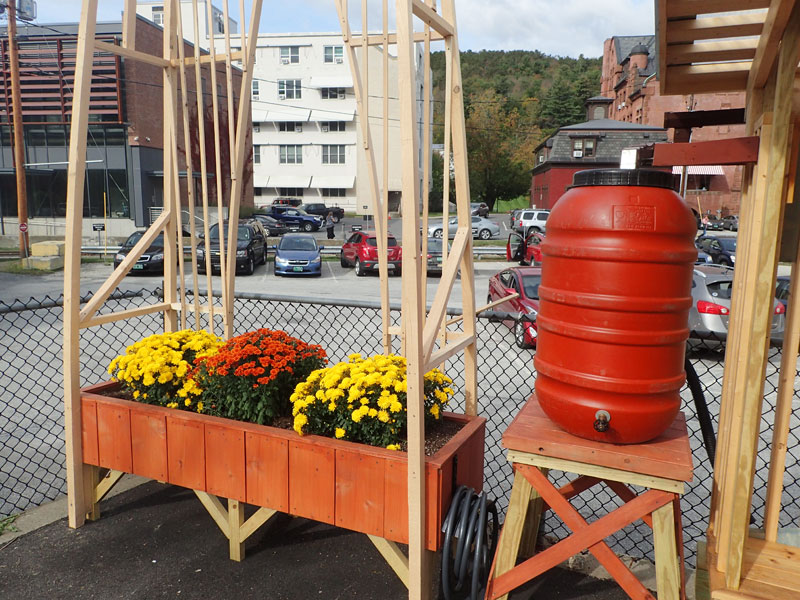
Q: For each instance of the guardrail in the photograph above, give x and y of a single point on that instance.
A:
(328, 251)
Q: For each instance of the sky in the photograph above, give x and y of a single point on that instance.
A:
(562, 27)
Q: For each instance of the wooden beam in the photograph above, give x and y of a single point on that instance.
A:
(431, 18)
(256, 520)
(692, 8)
(78, 501)
(732, 151)
(767, 51)
(205, 59)
(724, 51)
(125, 314)
(129, 24)
(703, 118)
(393, 556)
(156, 61)
(711, 28)
(377, 40)
(704, 79)
(455, 344)
(105, 485)
(216, 510)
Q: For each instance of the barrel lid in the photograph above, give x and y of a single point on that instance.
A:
(631, 177)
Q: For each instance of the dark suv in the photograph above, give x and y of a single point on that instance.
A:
(281, 201)
(251, 247)
(320, 209)
(295, 218)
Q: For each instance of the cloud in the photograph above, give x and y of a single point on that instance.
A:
(565, 28)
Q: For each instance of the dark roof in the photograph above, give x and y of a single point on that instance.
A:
(599, 99)
(639, 49)
(623, 44)
(610, 125)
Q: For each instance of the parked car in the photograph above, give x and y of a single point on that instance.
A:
(481, 228)
(712, 286)
(434, 258)
(321, 209)
(782, 289)
(731, 222)
(531, 220)
(361, 251)
(282, 201)
(273, 227)
(251, 247)
(712, 223)
(513, 217)
(525, 251)
(152, 261)
(298, 254)
(480, 209)
(295, 218)
(721, 249)
(525, 282)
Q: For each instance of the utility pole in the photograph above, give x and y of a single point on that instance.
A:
(19, 137)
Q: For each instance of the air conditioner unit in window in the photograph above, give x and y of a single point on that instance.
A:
(284, 61)
(281, 96)
(577, 154)
(298, 129)
(325, 129)
(339, 61)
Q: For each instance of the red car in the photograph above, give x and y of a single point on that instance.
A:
(361, 251)
(525, 282)
(527, 251)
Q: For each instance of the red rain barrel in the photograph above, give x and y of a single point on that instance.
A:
(614, 304)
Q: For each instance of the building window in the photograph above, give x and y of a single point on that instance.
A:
(292, 126)
(290, 192)
(290, 55)
(332, 126)
(256, 127)
(333, 154)
(220, 24)
(334, 54)
(289, 88)
(333, 192)
(255, 89)
(582, 147)
(332, 93)
(158, 15)
(291, 154)
(257, 155)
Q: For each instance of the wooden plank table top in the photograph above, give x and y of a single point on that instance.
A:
(669, 456)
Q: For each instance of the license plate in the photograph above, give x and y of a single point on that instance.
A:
(298, 269)
(136, 267)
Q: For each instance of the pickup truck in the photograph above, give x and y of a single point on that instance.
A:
(294, 217)
(320, 209)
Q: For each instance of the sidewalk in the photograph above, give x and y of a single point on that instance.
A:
(157, 541)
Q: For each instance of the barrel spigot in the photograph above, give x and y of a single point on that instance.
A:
(601, 420)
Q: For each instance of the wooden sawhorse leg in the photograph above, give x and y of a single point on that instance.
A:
(527, 479)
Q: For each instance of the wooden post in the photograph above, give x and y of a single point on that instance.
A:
(77, 501)
(19, 134)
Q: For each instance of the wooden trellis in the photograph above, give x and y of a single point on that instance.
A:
(752, 46)
(423, 334)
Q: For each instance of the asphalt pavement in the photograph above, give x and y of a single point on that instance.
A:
(157, 541)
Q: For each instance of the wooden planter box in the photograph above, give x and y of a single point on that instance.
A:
(349, 485)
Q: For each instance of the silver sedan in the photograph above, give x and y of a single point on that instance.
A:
(482, 228)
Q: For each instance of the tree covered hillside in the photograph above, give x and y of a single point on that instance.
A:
(513, 101)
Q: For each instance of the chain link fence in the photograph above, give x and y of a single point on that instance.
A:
(31, 405)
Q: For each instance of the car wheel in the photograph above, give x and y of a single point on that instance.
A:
(308, 227)
(359, 269)
(519, 336)
(342, 261)
(251, 266)
(725, 262)
(437, 233)
(398, 272)
(485, 234)
(335, 219)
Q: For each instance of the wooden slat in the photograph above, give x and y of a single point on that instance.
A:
(267, 471)
(89, 432)
(668, 576)
(378, 40)
(215, 509)
(681, 82)
(149, 59)
(124, 314)
(149, 445)
(225, 464)
(456, 343)
(710, 28)
(186, 453)
(359, 492)
(106, 484)
(732, 151)
(114, 437)
(205, 59)
(767, 51)
(235, 522)
(431, 18)
(729, 50)
(692, 8)
(129, 25)
(256, 520)
(312, 497)
(393, 556)
(704, 118)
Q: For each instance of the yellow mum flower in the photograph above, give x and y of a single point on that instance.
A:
(339, 433)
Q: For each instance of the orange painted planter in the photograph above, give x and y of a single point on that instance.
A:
(349, 485)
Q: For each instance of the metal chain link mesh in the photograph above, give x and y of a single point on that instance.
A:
(31, 407)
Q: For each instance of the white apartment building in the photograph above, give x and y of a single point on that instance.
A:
(154, 11)
(306, 132)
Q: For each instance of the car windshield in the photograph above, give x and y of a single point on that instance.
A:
(137, 235)
(434, 245)
(243, 234)
(721, 289)
(304, 243)
(728, 244)
(374, 242)
(530, 284)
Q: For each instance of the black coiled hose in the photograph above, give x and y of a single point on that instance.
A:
(701, 409)
(469, 544)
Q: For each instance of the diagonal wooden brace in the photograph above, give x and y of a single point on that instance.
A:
(585, 536)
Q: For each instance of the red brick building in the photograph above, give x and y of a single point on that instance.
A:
(630, 81)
